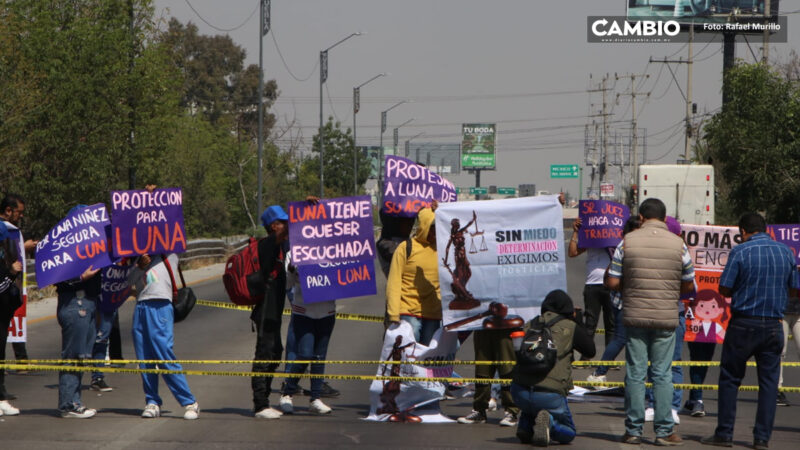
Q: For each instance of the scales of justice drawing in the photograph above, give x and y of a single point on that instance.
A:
(496, 316)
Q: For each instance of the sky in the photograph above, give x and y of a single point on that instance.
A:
(525, 65)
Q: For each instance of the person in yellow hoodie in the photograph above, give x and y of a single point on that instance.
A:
(412, 289)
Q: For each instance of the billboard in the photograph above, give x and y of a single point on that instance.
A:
(373, 154)
(478, 145)
(701, 11)
(441, 158)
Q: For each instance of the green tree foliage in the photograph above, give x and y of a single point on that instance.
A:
(338, 159)
(754, 144)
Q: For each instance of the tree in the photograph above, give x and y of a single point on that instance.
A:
(755, 146)
(338, 163)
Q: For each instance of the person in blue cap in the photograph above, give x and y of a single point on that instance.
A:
(10, 300)
(266, 316)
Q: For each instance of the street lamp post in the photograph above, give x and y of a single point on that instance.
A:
(323, 76)
(411, 139)
(396, 133)
(356, 107)
(380, 152)
(262, 31)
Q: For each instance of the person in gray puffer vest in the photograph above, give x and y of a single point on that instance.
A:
(542, 400)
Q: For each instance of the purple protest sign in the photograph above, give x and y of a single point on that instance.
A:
(323, 282)
(601, 223)
(144, 222)
(331, 231)
(115, 286)
(409, 187)
(789, 235)
(78, 241)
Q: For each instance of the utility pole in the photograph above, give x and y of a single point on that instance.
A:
(604, 114)
(263, 29)
(634, 127)
(767, 16)
(688, 96)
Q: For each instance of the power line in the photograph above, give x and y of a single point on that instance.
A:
(335, 116)
(286, 66)
(435, 98)
(224, 30)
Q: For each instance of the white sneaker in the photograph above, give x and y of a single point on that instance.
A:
(7, 409)
(286, 404)
(192, 411)
(675, 417)
(79, 413)
(151, 411)
(317, 407)
(269, 413)
(649, 414)
(508, 420)
(592, 378)
(492, 405)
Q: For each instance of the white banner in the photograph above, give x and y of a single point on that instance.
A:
(411, 401)
(498, 259)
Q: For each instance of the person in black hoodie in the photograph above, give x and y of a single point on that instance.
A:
(10, 300)
(542, 400)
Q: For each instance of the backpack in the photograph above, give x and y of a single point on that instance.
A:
(538, 353)
(242, 278)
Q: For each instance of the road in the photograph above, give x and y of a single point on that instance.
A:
(226, 419)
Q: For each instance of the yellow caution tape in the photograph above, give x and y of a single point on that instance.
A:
(47, 368)
(287, 311)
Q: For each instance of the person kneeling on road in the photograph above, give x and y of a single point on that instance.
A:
(542, 400)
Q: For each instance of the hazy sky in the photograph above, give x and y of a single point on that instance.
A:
(523, 64)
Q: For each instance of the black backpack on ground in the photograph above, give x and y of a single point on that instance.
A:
(538, 353)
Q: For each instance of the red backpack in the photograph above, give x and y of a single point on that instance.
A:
(243, 279)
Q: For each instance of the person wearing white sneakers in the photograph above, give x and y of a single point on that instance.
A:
(310, 332)
(152, 332)
(10, 300)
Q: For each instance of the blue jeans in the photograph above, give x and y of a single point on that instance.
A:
(614, 348)
(105, 320)
(153, 339)
(308, 339)
(423, 328)
(76, 318)
(699, 351)
(657, 347)
(677, 371)
(530, 402)
(743, 339)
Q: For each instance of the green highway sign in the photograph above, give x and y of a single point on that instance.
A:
(458, 190)
(478, 190)
(507, 190)
(564, 171)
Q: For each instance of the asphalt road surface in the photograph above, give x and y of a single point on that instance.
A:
(226, 419)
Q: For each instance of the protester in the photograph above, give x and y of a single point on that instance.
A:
(492, 345)
(412, 289)
(596, 297)
(698, 351)
(791, 325)
(266, 316)
(10, 300)
(614, 348)
(12, 210)
(310, 329)
(544, 412)
(394, 231)
(759, 277)
(152, 332)
(104, 321)
(77, 302)
(656, 267)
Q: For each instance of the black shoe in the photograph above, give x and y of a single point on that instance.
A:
(782, 400)
(698, 410)
(101, 385)
(758, 444)
(326, 392)
(631, 439)
(717, 441)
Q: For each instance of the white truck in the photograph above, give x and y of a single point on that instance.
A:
(687, 190)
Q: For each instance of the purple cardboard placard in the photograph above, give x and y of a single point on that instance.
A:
(144, 222)
(789, 235)
(331, 231)
(115, 286)
(323, 282)
(409, 187)
(78, 241)
(602, 223)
